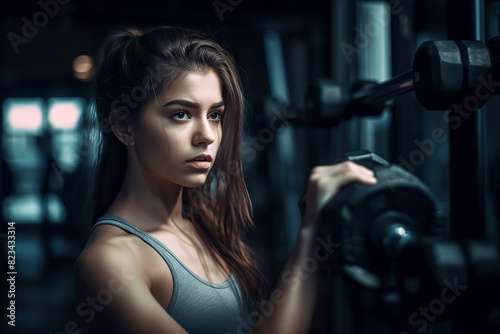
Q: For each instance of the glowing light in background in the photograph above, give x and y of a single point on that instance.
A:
(22, 115)
(82, 67)
(65, 113)
(27, 208)
(27, 117)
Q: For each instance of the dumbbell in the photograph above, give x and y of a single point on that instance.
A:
(448, 72)
(444, 73)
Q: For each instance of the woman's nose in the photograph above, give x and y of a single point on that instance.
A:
(205, 132)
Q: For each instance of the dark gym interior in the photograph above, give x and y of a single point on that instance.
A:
(408, 88)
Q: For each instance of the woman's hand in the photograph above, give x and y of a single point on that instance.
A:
(325, 181)
(299, 285)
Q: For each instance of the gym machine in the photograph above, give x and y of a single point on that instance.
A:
(395, 255)
(399, 263)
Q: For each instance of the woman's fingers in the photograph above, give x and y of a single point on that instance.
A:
(358, 173)
(325, 182)
(338, 175)
(351, 172)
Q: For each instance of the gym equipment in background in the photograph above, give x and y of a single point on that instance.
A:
(444, 73)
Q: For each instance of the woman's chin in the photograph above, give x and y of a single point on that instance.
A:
(195, 183)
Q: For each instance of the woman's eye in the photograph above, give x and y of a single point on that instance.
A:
(180, 115)
(218, 115)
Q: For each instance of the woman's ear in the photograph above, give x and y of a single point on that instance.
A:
(121, 129)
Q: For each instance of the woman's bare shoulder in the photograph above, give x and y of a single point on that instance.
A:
(108, 249)
(114, 266)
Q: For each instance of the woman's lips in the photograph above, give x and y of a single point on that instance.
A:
(200, 164)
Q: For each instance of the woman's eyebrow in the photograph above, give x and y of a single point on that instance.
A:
(190, 104)
(218, 105)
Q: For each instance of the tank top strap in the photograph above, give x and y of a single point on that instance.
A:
(167, 255)
(176, 265)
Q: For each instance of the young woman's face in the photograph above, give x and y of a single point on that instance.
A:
(183, 123)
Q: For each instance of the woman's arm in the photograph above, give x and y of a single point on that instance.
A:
(295, 295)
(113, 295)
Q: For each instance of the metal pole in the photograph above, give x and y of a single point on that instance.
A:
(467, 163)
(380, 94)
(467, 177)
(346, 137)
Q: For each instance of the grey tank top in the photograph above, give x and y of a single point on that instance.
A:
(197, 305)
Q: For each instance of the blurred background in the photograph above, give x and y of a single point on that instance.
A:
(47, 49)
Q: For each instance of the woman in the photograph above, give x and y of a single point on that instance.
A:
(166, 252)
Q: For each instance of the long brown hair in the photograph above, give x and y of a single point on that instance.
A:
(134, 66)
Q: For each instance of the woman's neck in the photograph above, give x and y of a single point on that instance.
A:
(146, 202)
